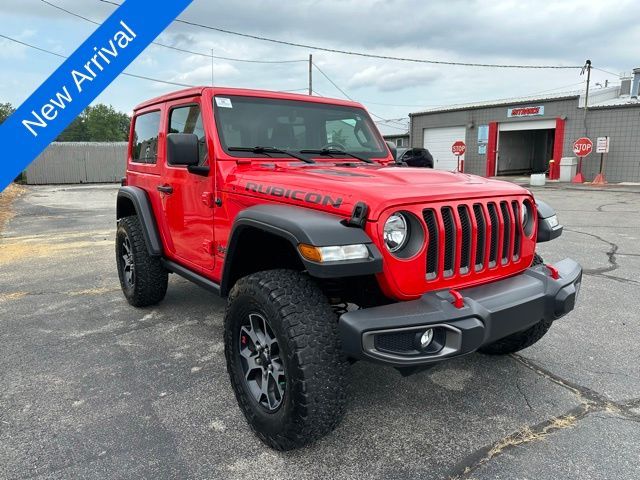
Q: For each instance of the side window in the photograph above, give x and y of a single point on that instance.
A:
(145, 143)
(188, 119)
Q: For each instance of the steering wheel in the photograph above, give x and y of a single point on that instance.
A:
(333, 146)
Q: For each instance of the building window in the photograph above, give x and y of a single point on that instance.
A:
(399, 142)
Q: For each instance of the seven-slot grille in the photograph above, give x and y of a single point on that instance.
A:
(471, 237)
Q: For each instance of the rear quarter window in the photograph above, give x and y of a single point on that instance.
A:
(145, 140)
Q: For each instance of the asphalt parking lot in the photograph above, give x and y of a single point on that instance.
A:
(93, 388)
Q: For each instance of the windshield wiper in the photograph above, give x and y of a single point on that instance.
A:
(268, 150)
(335, 151)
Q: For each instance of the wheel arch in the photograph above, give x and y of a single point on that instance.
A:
(265, 237)
(135, 201)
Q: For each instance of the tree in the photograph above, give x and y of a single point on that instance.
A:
(6, 109)
(105, 124)
(100, 123)
(75, 132)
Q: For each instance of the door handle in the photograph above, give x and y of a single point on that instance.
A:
(168, 189)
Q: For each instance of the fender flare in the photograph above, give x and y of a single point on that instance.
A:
(301, 225)
(548, 226)
(142, 206)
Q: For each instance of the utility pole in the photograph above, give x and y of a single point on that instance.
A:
(587, 67)
(212, 67)
(310, 74)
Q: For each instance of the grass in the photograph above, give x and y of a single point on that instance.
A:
(7, 196)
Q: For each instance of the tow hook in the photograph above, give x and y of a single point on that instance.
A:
(553, 271)
(458, 301)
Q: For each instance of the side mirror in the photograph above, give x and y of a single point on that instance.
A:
(182, 149)
(393, 150)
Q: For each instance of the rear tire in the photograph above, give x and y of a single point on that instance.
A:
(143, 279)
(311, 367)
(520, 340)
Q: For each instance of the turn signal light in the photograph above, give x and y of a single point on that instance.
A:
(310, 252)
(333, 253)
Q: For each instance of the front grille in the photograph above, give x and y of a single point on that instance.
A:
(432, 249)
(481, 235)
(517, 238)
(449, 241)
(465, 247)
(495, 228)
(506, 237)
(468, 238)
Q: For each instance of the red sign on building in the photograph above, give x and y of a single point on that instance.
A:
(525, 111)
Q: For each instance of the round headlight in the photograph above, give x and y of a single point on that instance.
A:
(524, 214)
(396, 232)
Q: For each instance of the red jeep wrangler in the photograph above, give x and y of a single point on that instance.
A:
(327, 249)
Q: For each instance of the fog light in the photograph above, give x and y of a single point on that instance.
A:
(426, 338)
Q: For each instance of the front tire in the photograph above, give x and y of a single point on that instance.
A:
(281, 319)
(143, 279)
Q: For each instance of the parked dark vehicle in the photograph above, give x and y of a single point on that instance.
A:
(415, 157)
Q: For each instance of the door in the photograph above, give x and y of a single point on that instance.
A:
(439, 141)
(187, 198)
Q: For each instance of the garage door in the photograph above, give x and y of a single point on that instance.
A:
(438, 141)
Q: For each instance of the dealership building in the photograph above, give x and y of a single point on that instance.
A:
(523, 135)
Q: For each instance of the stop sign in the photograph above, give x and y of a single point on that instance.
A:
(582, 147)
(458, 148)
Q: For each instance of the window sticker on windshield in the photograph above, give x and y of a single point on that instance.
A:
(223, 102)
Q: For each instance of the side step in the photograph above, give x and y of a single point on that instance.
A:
(191, 276)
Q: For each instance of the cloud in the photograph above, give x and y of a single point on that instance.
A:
(202, 75)
(389, 79)
(509, 31)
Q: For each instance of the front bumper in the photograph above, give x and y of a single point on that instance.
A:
(390, 333)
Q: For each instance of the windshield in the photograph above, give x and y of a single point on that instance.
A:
(293, 125)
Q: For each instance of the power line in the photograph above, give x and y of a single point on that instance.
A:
(178, 49)
(347, 95)
(553, 89)
(124, 73)
(606, 71)
(333, 83)
(362, 54)
(412, 105)
(395, 127)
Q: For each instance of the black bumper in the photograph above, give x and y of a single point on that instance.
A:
(390, 333)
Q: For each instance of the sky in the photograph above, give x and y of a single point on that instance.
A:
(498, 32)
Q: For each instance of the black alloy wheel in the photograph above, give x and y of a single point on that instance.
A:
(128, 266)
(262, 367)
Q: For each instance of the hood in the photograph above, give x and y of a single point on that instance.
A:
(338, 188)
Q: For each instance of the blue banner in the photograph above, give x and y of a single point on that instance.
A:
(80, 79)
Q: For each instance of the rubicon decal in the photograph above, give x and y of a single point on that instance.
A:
(300, 195)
